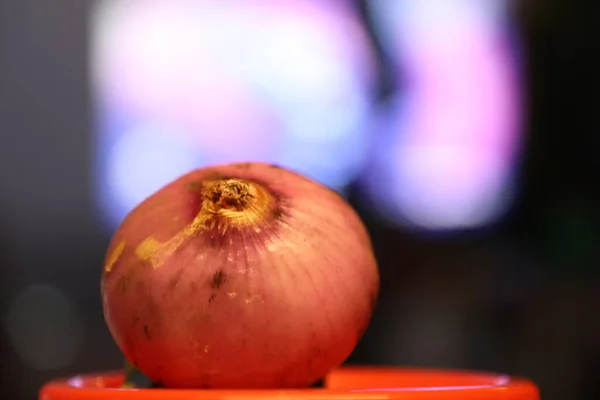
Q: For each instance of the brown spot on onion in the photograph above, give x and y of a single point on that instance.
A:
(245, 165)
(277, 212)
(122, 284)
(147, 332)
(175, 280)
(218, 279)
(194, 186)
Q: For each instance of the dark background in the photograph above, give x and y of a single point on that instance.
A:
(522, 298)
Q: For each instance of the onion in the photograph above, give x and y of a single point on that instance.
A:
(245, 275)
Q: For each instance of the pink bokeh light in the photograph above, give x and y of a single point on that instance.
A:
(454, 135)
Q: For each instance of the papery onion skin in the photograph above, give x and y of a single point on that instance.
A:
(204, 286)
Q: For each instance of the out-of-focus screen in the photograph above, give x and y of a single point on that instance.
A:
(182, 84)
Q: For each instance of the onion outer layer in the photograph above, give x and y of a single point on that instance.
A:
(239, 276)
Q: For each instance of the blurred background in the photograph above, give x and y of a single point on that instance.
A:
(463, 132)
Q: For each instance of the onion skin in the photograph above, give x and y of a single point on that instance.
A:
(207, 286)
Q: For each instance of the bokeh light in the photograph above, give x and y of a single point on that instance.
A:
(44, 327)
(285, 81)
(151, 155)
(449, 139)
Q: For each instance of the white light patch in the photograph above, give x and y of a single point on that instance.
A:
(141, 52)
(44, 327)
(301, 69)
(141, 161)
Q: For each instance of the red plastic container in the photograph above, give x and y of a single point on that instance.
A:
(360, 383)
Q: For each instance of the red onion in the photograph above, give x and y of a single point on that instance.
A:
(239, 276)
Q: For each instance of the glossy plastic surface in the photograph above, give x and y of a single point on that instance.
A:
(360, 383)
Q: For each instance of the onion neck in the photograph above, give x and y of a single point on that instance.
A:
(227, 203)
(236, 202)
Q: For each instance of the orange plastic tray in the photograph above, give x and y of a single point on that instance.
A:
(360, 383)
